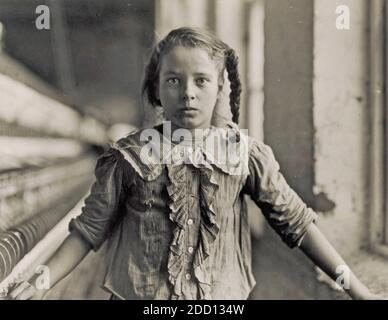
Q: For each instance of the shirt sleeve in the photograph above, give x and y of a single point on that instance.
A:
(101, 209)
(287, 214)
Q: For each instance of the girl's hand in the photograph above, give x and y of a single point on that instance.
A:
(26, 291)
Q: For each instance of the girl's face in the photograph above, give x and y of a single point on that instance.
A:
(188, 87)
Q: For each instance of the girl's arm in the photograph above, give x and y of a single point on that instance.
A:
(71, 252)
(289, 216)
(97, 219)
(321, 252)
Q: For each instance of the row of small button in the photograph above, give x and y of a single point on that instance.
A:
(190, 222)
(190, 249)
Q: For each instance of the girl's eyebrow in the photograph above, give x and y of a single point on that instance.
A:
(202, 74)
(168, 72)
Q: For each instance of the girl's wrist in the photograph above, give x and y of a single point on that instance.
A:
(358, 291)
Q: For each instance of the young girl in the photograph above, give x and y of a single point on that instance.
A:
(172, 207)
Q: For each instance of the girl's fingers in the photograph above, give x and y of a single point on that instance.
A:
(27, 293)
(19, 289)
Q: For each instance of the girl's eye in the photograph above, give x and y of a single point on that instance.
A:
(201, 81)
(173, 80)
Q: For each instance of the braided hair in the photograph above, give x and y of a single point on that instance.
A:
(231, 64)
(220, 52)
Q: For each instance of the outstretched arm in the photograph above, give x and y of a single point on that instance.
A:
(96, 221)
(321, 252)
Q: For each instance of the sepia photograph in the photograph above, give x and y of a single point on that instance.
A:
(193, 150)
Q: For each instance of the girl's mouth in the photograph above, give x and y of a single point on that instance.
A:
(189, 112)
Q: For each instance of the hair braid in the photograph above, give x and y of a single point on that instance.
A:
(231, 64)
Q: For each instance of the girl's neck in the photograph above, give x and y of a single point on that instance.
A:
(190, 136)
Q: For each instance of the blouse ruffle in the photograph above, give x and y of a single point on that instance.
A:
(208, 229)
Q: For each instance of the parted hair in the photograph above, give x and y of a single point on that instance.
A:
(220, 52)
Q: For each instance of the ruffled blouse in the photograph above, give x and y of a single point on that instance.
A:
(175, 217)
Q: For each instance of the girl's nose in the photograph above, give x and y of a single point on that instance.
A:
(188, 97)
(188, 91)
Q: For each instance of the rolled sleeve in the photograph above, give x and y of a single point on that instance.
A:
(284, 210)
(101, 209)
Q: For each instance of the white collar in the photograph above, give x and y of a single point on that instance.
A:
(225, 148)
